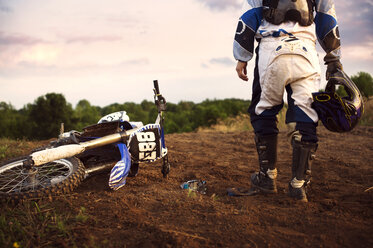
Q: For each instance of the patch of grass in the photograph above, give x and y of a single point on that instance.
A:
(15, 148)
(32, 224)
(367, 119)
(81, 216)
(242, 123)
(230, 124)
(192, 193)
(214, 197)
(3, 150)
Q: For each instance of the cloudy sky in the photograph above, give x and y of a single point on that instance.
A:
(111, 51)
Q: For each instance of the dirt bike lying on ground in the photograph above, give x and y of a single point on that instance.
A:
(114, 143)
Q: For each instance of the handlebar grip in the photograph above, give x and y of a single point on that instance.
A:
(156, 86)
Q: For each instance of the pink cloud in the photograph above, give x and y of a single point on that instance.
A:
(93, 39)
(19, 39)
(221, 4)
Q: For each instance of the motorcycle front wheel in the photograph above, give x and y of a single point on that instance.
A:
(18, 182)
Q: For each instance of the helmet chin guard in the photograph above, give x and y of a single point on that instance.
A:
(339, 114)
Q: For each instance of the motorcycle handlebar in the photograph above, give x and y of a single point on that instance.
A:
(156, 86)
(160, 101)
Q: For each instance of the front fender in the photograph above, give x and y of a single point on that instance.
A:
(121, 169)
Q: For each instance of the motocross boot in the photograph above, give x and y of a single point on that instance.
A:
(265, 180)
(303, 155)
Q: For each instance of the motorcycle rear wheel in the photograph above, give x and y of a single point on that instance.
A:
(54, 178)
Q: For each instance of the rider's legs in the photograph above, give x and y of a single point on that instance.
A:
(298, 70)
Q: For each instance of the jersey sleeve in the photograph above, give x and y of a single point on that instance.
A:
(243, 46)
(327, 30)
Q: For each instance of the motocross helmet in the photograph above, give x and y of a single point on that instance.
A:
(117, 116)
(339, 114)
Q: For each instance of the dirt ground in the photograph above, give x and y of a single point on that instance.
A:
(154, 212)
(151, 211)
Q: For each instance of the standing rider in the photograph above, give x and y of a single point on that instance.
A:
(286, 32)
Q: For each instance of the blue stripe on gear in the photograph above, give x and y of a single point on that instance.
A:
(272, 111)
(264, 124)
(324, 24)
(252, 18)
(304, 124)
(295, 113)
(308, 131)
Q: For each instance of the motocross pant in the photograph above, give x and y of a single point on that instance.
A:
(285, 63)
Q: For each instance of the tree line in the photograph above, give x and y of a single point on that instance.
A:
(42, 119)
(363, 81)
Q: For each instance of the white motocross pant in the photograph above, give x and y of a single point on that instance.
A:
(291, 63)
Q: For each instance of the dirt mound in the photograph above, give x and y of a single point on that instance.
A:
(154, 212)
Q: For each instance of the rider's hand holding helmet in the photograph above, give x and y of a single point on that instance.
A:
(332, 68)
(338, 114)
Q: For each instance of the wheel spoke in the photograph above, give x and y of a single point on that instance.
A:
(14, 177)
(4, 186)
(11, 172)
(45, 172)
(18, 184)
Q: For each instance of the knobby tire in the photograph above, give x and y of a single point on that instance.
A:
(51, 179)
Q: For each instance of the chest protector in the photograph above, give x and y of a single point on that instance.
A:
(279, 11)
